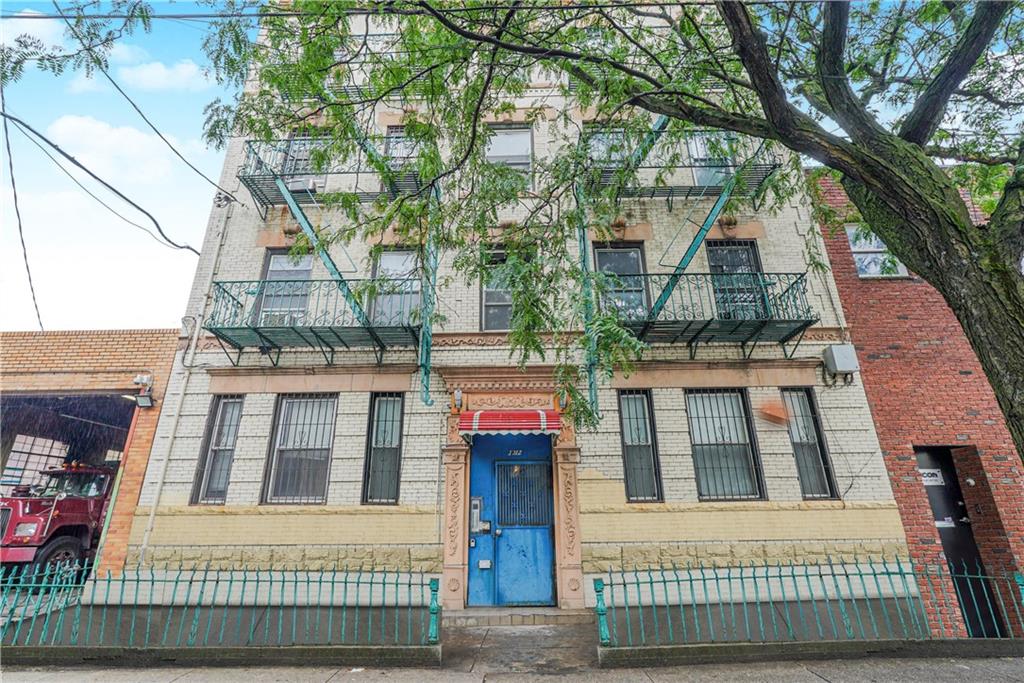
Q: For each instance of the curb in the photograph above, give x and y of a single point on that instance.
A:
(421, 656)
(673, 655)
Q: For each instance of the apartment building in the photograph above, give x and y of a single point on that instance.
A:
(953, 466)
(311, 421)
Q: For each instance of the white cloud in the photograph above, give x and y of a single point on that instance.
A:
(186, 75)
(49, 31)
(85, 84)
(122, 154)
(126, 53)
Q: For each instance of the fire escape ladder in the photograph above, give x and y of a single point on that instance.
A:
(325, 257)
(698, 239)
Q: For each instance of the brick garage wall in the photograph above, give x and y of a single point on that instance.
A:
(97, 361)
(927, 388)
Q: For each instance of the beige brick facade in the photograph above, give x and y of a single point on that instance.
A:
(863, 521)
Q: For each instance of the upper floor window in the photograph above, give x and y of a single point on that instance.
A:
(214, 471)
(383, 449)
(739, 289)
(724, 454)
(871, 256)
(300, 453)
(496, 299)
(710, 156)
(285, 290)
(812, 463)
(606, 145)
(639, 453)
(398, 147)
(398, 293)
(511, 146)
(626, 288)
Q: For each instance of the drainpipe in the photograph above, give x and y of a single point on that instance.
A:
(188, 365)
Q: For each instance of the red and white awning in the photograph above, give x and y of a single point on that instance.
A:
(510, 422)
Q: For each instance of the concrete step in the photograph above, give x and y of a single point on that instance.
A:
(515, 616)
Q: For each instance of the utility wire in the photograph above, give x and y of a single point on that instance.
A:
(17, 210)
(98, 179)
(99, 66)
(87, 190)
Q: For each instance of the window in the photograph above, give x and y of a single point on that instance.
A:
(724, 456)
(285, 289)
(626, 288)
(735, 267)
(399, 148)
(496, 298)
(297, 165)
(398, 293)
(606, 145)
(512, 147)
(711, 159)
(214, 470)
(29, 455)
(871, 256)
(812, 463)
(383, 450)
(300, 456)
(639, 454)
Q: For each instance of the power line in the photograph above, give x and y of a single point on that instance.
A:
(87, 190)
(99, 67)
(100, 180)
(17, 210)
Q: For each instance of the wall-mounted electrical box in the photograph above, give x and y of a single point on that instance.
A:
(841, 359)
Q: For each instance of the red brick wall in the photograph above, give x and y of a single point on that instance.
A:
(926, 388)
(100, 360)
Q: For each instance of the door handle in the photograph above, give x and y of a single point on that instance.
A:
(965, 520)
(497, 532)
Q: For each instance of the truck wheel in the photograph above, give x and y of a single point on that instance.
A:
(63, 550)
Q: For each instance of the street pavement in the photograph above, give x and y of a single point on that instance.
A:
(541, 653)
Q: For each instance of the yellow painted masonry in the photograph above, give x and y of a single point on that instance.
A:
(288, 525)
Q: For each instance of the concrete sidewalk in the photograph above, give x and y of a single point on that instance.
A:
(931, 671)
(538, 653)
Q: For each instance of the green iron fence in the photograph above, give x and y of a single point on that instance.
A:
(210, 607)
(861, 600)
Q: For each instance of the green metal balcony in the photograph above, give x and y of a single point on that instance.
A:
(744, 308)
(271, 315)
(292, 161)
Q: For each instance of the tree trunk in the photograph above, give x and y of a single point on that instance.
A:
(970, 267)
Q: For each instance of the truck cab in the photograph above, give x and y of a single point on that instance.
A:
(59, 520)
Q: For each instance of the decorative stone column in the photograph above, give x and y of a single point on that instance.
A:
(456, 495)
(569, 558)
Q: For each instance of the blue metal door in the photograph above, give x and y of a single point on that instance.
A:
(511, 528)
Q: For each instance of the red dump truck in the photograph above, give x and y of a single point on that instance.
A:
(59, 520)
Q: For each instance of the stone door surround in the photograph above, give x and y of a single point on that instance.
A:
(508, 389)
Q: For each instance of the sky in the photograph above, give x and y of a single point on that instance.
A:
(91, 269)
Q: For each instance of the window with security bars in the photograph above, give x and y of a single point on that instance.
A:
(383, 450)
(736, 278)
(724, 453)
(639, 452)
(214, 472)
(816, 480)
(300, 456)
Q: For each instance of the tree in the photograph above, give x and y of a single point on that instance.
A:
(905, 100)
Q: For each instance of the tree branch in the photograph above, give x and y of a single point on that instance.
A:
(941, 152)
(926, 115)
(846, 107)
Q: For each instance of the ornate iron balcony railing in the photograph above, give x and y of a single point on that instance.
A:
(276, 314)
(707, 307)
